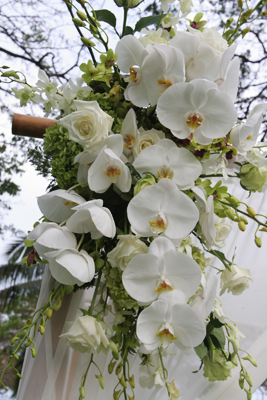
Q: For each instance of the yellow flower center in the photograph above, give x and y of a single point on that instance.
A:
(163, 286)
(158, 224)
(165, 172)
(133, 75)
(165, 335)
(194, 121)
(165, 82)
(129, 140)
(72, 203)
(113, 173)
(249, 137)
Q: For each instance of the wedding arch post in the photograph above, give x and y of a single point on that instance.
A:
(34, 127)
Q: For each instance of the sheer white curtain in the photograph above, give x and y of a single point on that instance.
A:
(55, 373)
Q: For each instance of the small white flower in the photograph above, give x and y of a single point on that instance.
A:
(89, 125)
(92, 217)
(85, 335)
(127, 247)
(49, 236)
(153, 37)
(57, 205)
(203, 302)
(71, 267)
(107, 169)
(45, 85)
(212, 37)
(236, 280)
(165, 4)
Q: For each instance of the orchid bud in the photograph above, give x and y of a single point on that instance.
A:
(258, 241)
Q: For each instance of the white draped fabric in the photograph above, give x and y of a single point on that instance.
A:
(56, 372)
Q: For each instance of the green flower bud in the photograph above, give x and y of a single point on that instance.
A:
(57, 304)
(248, 379)
(81, 15)
(123, 382)
(235, 344)
(245, 16)
(230, 214)
(240, 4)
(114, 349)
(253, 178)
(116, 394)
(78, 22)
(87, 42)
(49, 312)
(263, 13)
(258, 241)
(241, 383)
(132, 382)
(13, 341)
(16, 356)
(251, 211)
(251, 360)
(33, 350)
(118, 369)
(101, 381)
(233, 359)
(127, 3)
(242, 226)
(111, 367)
(28, 343)
(245, 31)
(234, 200)
(82, 392)
(41, 329)
(69, 289)
(263, 229)
(229, 22)
(148, 180)
(244, 220)
(19, 376)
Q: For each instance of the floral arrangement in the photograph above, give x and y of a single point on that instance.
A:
(135, 215)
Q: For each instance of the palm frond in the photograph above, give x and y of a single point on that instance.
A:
(13, 273)
(10, 295)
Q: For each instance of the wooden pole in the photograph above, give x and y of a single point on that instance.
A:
(25, 125)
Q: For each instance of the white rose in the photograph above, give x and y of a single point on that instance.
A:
(85, 335)
(212, 37)
(153, 37)
(223, 228)
(127, 247)
(89, 125)
(235, 281)
(145, 139)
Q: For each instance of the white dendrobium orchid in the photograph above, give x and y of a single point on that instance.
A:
(166, 321)
(45, 85)
(158, 67)
(89, 125)
(196, 107)
(49, 236)
(204, 301)
(70, 266)
(162, 269)
(236, 280)
(166, 160)
(127, 247)
(186, 6)
(57, 205)
(85, 335)
(94, 218)
(108, 168)
(162, 208)
(245, 135)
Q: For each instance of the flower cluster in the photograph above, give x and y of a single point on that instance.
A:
(149, 213)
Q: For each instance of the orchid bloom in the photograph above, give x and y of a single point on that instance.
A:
(162, 209)
(161, 269)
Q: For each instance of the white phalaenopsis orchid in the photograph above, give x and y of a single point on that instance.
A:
(94, 218)
(49, 236)
(204, 301)
(71, 267)
(161, 269)
(129, 133)
(196, 107)
(162, 208)
(152, 69)
(57, 205)
(245, 135)
(166, 160)
(168, 320)
(108, 168)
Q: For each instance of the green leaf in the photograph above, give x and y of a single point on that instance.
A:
(9, 74)
(4, 67)
(106, 16)
(218, 338)
(128, 30)
(28, 243)
(201, 350)
(146, 21)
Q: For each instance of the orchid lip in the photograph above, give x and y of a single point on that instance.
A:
(193, 120)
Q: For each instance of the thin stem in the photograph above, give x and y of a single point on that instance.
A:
(91, 308)
(85, 375)
(125, 12)
(163, 370)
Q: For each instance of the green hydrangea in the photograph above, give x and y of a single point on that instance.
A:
(200, 258)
